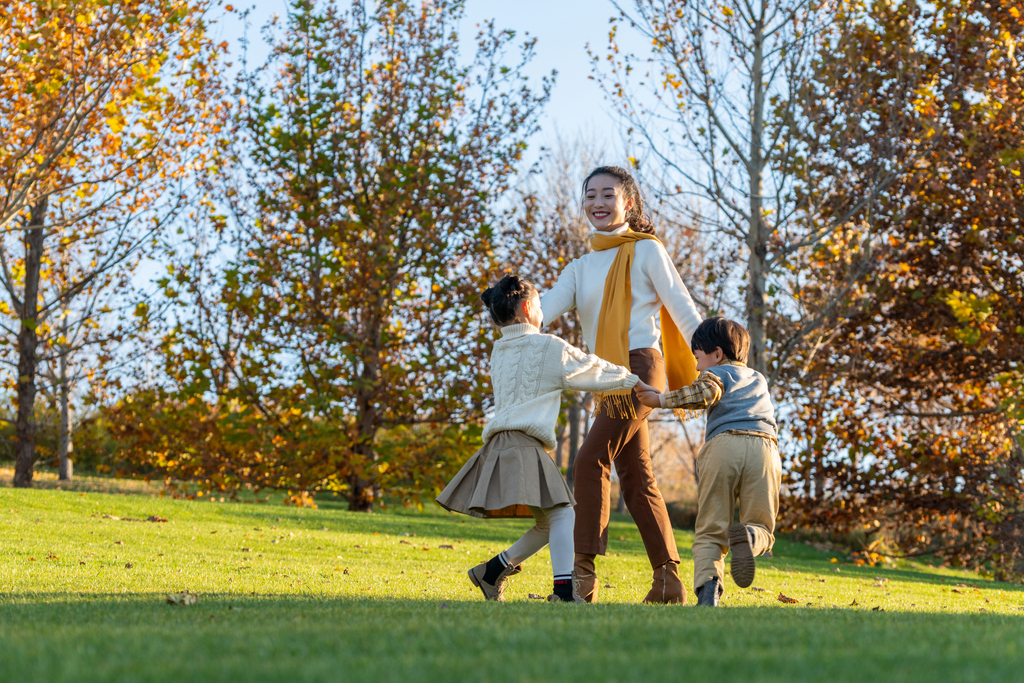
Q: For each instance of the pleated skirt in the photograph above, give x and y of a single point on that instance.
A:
(511, 473)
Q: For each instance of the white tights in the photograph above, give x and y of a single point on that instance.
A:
(553, 528)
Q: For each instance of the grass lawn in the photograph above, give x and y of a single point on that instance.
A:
(309, 595)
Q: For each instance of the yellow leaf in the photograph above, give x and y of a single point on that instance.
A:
(726, 11)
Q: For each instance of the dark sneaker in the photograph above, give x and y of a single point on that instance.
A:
(741, 565)
(710, 593)
(495, 591)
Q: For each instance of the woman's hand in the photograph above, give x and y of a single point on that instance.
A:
(648, 395)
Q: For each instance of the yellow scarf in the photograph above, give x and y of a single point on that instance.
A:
(612, 342)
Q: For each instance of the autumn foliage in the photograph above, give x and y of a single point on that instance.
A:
(907, 420)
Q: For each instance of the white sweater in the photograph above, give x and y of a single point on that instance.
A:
(529, 371)
(654, 283)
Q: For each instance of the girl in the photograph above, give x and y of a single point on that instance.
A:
(617, 289)
(513, 475)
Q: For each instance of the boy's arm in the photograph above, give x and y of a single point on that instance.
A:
(587, 372)
(561, 297)
(703, 394)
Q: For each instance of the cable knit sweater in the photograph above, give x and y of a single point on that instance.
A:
(529, 370)
(654, 282)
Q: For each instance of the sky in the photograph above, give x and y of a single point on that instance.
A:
(563, 29)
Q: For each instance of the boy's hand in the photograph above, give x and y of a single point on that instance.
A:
(648, 395)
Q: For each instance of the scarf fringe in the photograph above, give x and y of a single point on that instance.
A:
(617, 406)
(686, 414)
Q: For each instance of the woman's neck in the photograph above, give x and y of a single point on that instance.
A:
(613, 228)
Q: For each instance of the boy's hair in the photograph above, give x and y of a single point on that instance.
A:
(719, 332)
(636, 217)
(503, 298)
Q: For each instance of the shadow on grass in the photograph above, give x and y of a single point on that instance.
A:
(59, 637)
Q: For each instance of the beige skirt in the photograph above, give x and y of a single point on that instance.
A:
(511, 473)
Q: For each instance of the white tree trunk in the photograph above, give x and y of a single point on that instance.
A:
(757, 235)
(64, 448)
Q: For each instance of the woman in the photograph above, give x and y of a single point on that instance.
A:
(617, 289)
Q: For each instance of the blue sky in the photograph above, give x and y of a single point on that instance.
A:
(562, 27)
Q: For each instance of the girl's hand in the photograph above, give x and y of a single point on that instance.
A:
(648, 395)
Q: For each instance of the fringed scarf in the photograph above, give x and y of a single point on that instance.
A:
(612, 342)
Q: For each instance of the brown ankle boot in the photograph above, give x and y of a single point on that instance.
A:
(666, 589)
(584, 577)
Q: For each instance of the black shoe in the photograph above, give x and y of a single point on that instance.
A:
(709, 594)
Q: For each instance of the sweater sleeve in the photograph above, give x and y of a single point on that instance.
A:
(671, 291)
(560, 298)
(587, 372)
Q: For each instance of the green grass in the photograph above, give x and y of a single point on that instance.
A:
(329, 595)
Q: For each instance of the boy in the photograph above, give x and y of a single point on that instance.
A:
(739, 460)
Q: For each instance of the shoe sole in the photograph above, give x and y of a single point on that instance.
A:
(741, 566)
(476, 582)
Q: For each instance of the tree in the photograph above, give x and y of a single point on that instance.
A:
(360, 211)
(908, 421)
(102, 106)
(730, 107)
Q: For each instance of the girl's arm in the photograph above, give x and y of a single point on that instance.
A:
(671, 291)
(587, 372)
(561, 297)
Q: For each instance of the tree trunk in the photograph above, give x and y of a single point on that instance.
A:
(362, 489)
(66, 469)
(757, 235)
(27, 341)
(575, 415)
(559, 442)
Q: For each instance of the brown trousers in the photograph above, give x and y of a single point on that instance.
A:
(627, 443)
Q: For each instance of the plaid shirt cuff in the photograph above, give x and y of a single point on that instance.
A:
(704, 393)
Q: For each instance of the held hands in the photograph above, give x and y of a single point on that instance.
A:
(648, 395)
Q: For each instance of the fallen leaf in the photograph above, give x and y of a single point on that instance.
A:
(405, 542)
(786, 599)
(956, 591)
(444, 605)
(446, 547)
(111, 517)
(184, 598)
(345, 571)
(127, 565)
(759, 590)
(118, 542)
(608, 585)
(854, 603)
(534, 596)
(246, 550)
(877, 609)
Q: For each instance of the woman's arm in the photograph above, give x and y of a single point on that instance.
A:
(671, 291)
(561, 297)
(587, 372)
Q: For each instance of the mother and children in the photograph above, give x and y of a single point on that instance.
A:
(617, 289)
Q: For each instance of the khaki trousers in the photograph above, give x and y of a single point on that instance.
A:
(627, 443)
(734, 468)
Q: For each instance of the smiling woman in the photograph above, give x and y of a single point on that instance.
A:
(617, 289)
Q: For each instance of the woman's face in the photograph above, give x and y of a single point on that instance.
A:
(605, 204)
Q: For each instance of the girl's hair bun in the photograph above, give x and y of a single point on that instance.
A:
(503, 299)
